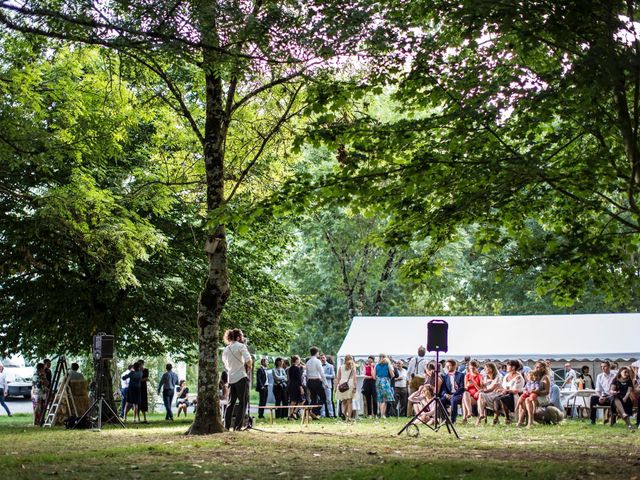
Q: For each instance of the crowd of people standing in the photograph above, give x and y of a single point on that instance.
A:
(135, 394)
(506, 391)
(294, 383)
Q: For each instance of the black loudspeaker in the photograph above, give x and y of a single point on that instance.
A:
(103, 346)
(437, 336)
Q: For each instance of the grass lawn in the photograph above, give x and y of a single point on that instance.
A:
(368, 449)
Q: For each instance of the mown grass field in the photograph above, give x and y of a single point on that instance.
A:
(368, 449)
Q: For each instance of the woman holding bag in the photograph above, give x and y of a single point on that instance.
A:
(346, 386)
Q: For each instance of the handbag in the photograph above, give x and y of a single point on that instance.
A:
(344, 386)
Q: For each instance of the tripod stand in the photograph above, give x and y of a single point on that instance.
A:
(440, 416)
(100, 403)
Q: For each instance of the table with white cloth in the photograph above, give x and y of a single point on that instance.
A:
(576, 398)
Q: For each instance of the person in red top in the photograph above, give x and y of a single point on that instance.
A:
(473, 385)
(369, 387)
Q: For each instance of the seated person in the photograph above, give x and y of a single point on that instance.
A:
(490, 392)
(508, 393)
(621, 390)
(548, 415)
(74, 373)
(452, 388)
(554, 396)
(603, 387)
(553, 413)
(430, 377)
(541, 399)
(419, 399)
(182, 398)
(530, 387)
(473, 385)
(423, 398)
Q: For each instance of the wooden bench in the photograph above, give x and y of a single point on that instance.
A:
(606, 412)
(306, 411)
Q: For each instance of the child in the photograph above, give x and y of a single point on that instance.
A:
(182, 401)
(420, 398)
(532, 385)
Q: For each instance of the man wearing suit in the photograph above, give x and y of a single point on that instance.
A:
(262, 385)
(452, 387)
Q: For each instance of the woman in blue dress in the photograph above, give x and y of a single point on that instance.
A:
(383, 374)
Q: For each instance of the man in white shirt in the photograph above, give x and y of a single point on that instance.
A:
(3, 389)
(124, 388)
(569, 377)
(316, 382)
(415, 370)
(603, 387)
(237, 361)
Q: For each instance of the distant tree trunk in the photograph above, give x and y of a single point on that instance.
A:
(361, 279)
(347, 287)
(216, 290)
(384, 277)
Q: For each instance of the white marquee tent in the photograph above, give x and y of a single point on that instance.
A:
(589, 337)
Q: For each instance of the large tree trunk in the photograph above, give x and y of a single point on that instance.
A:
(216, 289)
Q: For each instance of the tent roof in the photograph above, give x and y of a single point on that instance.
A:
(531, 337)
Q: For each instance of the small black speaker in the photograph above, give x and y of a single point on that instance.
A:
(103, 347)
(437, 336)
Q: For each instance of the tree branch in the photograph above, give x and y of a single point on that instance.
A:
(167, 184)
(597, 207)
(267, 86)
(384, 276)
(88, 23)
(173, 88)
(265, 140)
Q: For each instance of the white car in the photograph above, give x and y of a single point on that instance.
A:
(19, 376)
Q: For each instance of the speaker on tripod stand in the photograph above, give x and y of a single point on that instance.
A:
(102, 350)
(437, 341)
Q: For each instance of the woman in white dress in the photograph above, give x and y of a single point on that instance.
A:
(512, 385)
(346, 375)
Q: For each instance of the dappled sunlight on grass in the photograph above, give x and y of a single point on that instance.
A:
(324, 449)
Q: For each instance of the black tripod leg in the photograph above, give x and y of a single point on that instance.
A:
(114, 414)
(448, 422)
(410, 422)
(93, 405)
(417, 415)
(446, 417)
